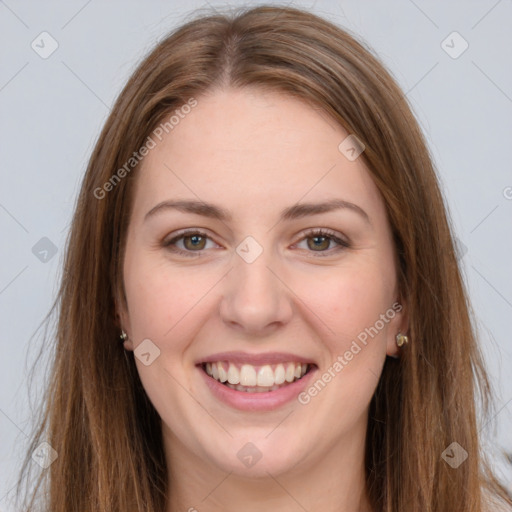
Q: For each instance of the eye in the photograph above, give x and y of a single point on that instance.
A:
(320, 240)
(193, 242)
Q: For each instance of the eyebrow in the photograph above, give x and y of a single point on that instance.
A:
(296, 211)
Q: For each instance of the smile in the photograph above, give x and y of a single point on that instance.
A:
(255, 379)
(256, 382)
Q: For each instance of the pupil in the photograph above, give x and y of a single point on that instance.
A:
(195, 241)
(318, 240)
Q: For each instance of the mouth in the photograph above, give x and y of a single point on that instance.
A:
(250, 378)
(256, 382)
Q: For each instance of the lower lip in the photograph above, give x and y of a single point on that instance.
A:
(265, 401)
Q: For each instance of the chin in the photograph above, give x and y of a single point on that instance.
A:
(259, 456)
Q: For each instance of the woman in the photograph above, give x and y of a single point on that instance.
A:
(317, 353)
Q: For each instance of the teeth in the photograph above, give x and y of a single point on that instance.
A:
(233, 374)
(223, 375)
(290, 372)
(255, 379)
(266, 376)
(279, 375)
(248, 375)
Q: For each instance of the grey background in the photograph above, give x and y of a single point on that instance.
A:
(51, 111)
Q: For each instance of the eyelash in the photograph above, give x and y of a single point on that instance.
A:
(343, 244)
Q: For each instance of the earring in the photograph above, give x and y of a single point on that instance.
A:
(123, 335)
(401, 339)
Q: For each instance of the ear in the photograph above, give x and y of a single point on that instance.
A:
(398, 324)
(122, 321)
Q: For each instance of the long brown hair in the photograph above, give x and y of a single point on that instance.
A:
(97, 416)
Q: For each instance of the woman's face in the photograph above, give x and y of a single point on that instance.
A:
(254, 290)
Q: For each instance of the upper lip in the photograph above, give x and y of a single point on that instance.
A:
(256, 359)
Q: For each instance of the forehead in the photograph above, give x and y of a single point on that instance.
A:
(252, 148)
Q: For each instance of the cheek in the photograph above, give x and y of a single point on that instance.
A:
(159, 295)
(350, 300)
(356, 312)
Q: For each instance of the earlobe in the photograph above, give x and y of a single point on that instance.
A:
(121, 322)
(127, 343)
(392, 349)
(398, 338)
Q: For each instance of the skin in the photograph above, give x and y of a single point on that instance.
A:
(255, 153)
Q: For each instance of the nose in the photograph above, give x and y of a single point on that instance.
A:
(256, 299)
